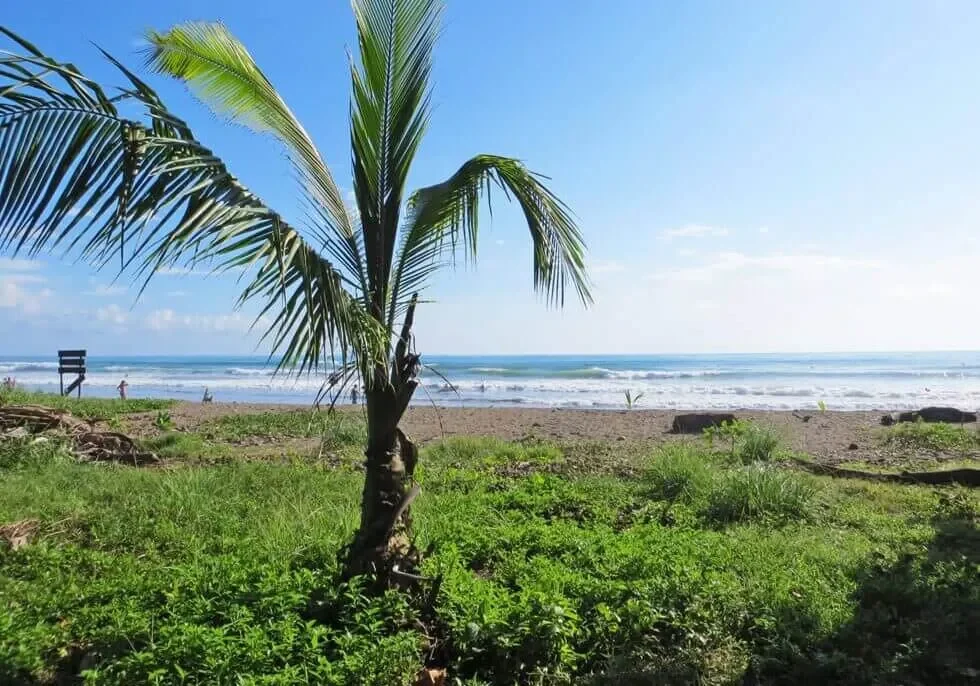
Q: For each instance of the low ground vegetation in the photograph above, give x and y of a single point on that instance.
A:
(694, 566)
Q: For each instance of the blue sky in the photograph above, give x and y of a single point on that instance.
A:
(750, 177)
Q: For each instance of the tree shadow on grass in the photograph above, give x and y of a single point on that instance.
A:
(917, 620)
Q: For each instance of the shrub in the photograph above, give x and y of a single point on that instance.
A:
(760, 493)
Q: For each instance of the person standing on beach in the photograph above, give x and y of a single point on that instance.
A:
(122, 389)
(353, 395)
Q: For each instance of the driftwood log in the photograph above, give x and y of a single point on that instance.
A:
(87, 444)
(963, 477)
(697, 422)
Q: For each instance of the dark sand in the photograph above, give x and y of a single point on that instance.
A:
(826, 436)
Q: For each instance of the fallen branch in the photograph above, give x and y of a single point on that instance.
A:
(89, 445)
(964, 477)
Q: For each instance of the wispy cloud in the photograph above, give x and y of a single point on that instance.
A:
(605, 267)
(16, 264)
(14, 296)
(733, 261)
(102, 290)
(168, 319)
(112, 314)
(176, 294)
(693, 231)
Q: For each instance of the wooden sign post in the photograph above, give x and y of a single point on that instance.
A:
(71, 362)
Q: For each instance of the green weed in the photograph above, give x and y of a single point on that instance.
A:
(335, 428)
(939, 436)
(96, 409)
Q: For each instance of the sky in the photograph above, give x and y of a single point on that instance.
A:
(749, 177)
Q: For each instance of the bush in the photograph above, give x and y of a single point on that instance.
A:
(760, 493)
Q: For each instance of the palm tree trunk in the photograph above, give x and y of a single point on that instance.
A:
(383, 539)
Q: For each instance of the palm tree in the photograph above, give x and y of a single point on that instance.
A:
(340, 289)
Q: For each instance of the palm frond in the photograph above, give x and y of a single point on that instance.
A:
(389, 116)
(76, 175)
(221, 72)
(445, 216)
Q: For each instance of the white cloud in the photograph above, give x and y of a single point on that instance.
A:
(176, 294)
(763, 229)
(14, 296)
(687, 252)
(168, 320)
(102, 290)
(182, 271)
(802, 264)
(605, 267)
(694, 231)
(15, 264)
(111, 314)
(499, 241)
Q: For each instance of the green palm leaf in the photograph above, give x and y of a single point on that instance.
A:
(222, 73)
(446, 216)
(78, 176)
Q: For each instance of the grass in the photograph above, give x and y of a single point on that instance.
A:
(98, 409)
(938, 437)
(335, 429)
(228, 573)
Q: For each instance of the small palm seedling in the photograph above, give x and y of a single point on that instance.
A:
(631, 399)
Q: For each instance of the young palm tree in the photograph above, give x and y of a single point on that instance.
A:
(340, 288)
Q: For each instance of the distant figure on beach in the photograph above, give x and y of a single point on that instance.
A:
(9, 383)
(122, 389)
(353, 395)
(207, 396)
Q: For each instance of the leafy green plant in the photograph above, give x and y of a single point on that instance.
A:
(632, 399)
(727, 432)
(822, 406)
(163, 421)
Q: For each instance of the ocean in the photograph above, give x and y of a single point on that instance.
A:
(884, 381)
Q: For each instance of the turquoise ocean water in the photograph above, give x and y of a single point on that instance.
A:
(771, 381)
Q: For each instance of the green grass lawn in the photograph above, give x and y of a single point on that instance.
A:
(698, 569)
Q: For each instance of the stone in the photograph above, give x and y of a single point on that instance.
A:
(938, 414)
(698, 422)
(887, 420)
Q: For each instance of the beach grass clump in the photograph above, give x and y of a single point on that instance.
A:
(938, 436)
(679, 472)
(94, 409)
(760, 493)
(758, 444)
(745, 441)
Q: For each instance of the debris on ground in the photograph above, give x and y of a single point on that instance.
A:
(21, 421)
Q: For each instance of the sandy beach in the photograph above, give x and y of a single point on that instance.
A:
(828, 436)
